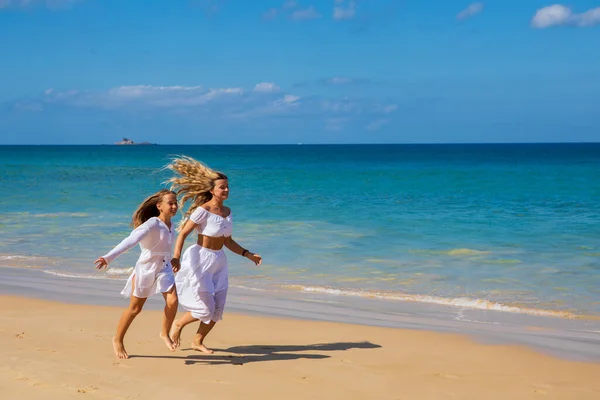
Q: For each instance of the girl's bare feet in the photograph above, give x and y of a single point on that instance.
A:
(170, 345)
(175, 333)
(202, 348)
(119, 349)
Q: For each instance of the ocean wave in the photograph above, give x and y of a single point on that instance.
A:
(20, 261)
(119, 271)
(54, 215)
(462, 302)
(61, 274)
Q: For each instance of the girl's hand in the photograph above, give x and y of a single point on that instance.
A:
(101, 263)
(255, 258)
(175, 264)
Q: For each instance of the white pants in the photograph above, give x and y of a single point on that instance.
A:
(202, 283)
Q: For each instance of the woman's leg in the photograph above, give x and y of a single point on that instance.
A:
(203, 330)
(170, 311)
(135, 307)
(178, 326)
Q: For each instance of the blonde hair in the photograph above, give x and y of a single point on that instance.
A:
(193, 182)
(148, 208)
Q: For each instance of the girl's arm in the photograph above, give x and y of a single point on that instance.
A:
(134, 238)
(183, 234)
(237, 249)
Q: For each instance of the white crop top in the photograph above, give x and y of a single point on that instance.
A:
(210, 224)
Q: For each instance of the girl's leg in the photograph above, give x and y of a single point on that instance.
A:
(178, 326)
(135, 307)
(168, 317)
(203, 330)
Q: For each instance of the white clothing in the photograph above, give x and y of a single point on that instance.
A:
(153, 272)
(210, 224)
(203, 279)
(202, 283)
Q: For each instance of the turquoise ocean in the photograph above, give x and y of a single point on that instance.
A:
(507, 227)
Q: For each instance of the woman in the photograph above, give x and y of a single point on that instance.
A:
(153, 272)
(202, 281)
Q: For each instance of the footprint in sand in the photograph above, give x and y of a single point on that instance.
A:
(119, 365)
(540, 388)
(446, 376)
(48, 351)
(20, 335)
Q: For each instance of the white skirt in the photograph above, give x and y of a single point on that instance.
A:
(202, 283)
(151, 278)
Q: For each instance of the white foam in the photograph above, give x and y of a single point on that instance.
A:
(76, 276)
(463, 302)
(21, 258)
(119, 271)
(248, 288)
(57, 215)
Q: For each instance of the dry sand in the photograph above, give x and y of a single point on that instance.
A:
(62, 351)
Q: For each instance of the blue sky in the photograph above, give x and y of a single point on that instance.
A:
(310, 71)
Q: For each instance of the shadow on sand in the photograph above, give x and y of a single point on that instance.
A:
(257, 353)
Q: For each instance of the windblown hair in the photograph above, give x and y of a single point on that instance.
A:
(193, 182)
(148, 208)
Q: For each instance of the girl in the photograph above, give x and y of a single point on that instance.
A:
(153, 272)
(203, 280)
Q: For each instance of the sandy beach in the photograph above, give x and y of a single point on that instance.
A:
(60, 351)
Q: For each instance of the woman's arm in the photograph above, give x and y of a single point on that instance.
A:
(183, 234)
(135, 237)
(237, 249)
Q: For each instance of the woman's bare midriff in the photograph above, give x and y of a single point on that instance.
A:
(213, 243)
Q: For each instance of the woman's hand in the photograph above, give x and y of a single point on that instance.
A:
(101, 263)
(175, 264)
(255, 258)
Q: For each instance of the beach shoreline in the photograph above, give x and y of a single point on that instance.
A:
(565, 338)
(58, 350)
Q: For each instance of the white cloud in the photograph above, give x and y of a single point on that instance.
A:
(377, 124)
(558, 14)
(344, 11)
(306, 13)
(287, 100)
(266, 87)
(264, 102)
(335, 124)
(472, 10)
(390, 108)
(338, 80)
(588, 18)
(552, 15)
(340, 106)
(271, 14)
(342, 80)
(289, 4)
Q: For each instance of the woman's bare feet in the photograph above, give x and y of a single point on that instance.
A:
(170, 345)
(119, 349)
(175, 333)
(202, 348)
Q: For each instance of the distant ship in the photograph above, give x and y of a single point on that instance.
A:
(126, 141)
